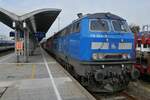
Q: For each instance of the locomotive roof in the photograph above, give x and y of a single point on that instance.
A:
(100, 16)
(104, 16)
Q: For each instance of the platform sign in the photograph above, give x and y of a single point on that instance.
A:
(39, 35)
(19, 45)
(12, 34)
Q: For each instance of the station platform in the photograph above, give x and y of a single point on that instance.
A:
(40, 79)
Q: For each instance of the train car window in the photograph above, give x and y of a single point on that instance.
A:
(68, 30)
(63, 32)
(76, 27)
(71, 28)
(145, 45)
(120, 26)
(139, 45)
(99, 25)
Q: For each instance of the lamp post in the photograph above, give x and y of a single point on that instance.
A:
(16, 38)
(26, 39)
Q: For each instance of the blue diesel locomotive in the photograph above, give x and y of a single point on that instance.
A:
(98, 49)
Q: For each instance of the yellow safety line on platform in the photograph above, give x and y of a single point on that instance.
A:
(147, 89)
(33, 71)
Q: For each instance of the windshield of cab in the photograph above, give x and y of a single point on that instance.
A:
(99, 25)
(104, 25)
(120, 26)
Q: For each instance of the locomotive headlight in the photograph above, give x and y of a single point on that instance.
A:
(100, 56)
(103, 66)
(95, 56)
(129, 56)
(124, 56)
(122, 65)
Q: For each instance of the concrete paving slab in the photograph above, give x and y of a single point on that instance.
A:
(30, 90)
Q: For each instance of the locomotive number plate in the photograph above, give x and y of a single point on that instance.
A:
(125, 45)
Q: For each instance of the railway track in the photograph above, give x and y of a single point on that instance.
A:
(117, 96)
(128, 96)
(3, 53)
(135, 91)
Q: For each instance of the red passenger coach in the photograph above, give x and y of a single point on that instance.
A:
(143, 40)
(143, 51)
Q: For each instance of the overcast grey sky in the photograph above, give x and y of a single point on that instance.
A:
(134, 11)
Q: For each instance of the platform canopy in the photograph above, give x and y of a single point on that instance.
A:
(36, 21)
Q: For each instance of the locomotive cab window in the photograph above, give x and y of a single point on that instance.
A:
(120, 26)
(99, 25)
